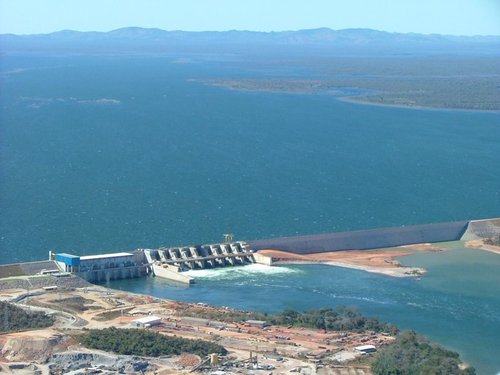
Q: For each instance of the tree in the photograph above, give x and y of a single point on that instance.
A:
(411, 354)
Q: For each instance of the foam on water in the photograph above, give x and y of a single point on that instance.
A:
(239, 271)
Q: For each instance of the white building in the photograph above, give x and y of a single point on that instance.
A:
(366, 348)
(146, 322)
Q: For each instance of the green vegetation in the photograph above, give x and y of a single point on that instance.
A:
(495, 241)
(470, 93)
(13, 318)
(338, 319)
(229, 316)
(455, 82)
(411, 354)
(145, 343)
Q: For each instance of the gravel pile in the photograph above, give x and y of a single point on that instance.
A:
(61, 282)
(35, 282)
(14, 284)
(72, 361)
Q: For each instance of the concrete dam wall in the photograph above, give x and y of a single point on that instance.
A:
(480, 229)
(171, 262)
(365, 239)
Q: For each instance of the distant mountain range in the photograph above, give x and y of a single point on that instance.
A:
(138, 39)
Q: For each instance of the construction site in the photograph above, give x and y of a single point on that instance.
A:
(61, 287)
(253, 346)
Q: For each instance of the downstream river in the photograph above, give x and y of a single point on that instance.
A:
(456, 303)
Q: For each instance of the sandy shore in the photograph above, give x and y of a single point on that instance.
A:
(354, 100)
(479, 244)
(381, 261)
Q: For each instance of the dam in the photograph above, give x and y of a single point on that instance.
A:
(171, 263)
(370, 238)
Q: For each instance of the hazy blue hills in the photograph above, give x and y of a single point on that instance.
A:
(136, 39)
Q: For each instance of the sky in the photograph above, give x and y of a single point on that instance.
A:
(454, 17)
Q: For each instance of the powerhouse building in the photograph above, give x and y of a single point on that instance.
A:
(103, 267)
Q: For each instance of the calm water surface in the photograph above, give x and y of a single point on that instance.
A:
(102, 154)
(114, 153)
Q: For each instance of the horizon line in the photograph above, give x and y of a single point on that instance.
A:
(251, 31)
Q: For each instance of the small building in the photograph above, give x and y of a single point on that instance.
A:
(257, 323)
(146, 322)
(50, 272)
(366, 349)
(68, 262)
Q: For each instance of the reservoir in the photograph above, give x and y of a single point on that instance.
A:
(118, 153)
(456, 303)
(108, 154)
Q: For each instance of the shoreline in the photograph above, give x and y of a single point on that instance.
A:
(381, 261)
(339, 97)
(187, 319)
(353, 100)
(480, 245)
(240, 335)
(393, 272)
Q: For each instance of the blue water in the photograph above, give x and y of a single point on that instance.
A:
(456, 303)
(114, 153)
(178, 162)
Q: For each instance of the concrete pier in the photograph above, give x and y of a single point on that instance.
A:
(171, 272)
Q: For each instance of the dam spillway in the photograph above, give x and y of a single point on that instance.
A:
(171, 262)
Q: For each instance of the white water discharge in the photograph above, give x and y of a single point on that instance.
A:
(239, 271)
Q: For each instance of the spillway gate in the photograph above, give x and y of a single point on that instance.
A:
(202, 256)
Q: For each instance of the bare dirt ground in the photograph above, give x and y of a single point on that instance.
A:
(272, 349)
(479, 244)
(380, 260)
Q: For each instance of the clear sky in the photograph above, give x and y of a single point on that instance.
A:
(456, 17)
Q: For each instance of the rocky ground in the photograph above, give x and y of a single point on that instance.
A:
(269, 350)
